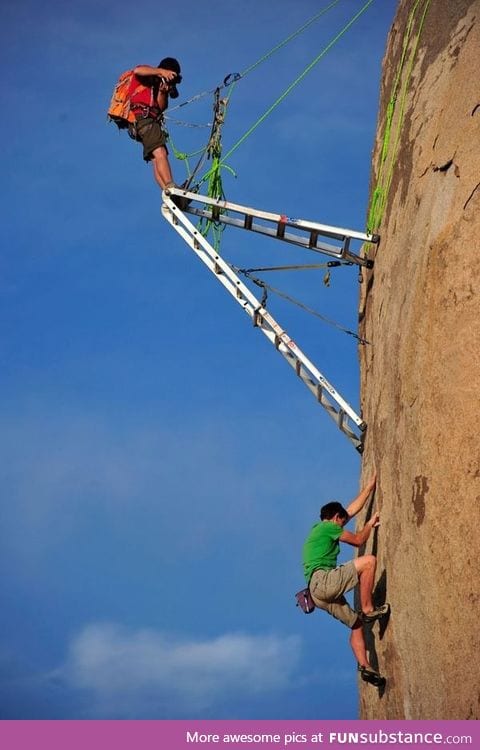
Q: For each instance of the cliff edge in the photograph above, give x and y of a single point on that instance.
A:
(420, 376)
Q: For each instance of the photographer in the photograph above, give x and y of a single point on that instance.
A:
(149, 92)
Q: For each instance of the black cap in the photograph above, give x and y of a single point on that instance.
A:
(170, 63)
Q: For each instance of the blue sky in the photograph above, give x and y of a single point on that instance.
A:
(162, 465)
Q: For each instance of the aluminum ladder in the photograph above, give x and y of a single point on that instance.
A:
(346, 419)
(307, 234)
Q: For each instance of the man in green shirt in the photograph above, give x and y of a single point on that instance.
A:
(328, 582)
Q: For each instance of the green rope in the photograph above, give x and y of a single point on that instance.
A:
(182, 156)
(214, 190)
(237, 76)
(213, 176)
(298, 79)
(288, 39)
(387, 157)
(266, 56)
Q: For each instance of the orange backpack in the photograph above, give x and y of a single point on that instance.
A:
(119, 110)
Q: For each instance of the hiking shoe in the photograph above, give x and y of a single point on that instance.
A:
(376, 614)
(373, 678)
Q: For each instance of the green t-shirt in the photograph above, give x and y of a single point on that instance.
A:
(321, 547)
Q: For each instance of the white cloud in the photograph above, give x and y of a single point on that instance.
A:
(146, 673)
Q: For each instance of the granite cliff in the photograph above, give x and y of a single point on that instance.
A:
(420, 376)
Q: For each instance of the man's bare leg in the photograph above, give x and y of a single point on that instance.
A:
(366, 565)
(161, 167)
(357, 644)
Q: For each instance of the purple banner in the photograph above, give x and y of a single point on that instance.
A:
(244, 735)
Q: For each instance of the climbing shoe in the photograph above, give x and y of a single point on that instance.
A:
(376, 614)
(373, 678)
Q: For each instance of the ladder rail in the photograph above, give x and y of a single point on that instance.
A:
(293, 239)
(348, 421)
(274, 217)
(305, 233)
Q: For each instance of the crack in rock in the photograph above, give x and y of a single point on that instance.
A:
(471, 195)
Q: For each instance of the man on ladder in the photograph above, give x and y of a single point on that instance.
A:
(150, 90)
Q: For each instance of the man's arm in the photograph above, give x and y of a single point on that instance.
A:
(147, 70)
(162, 97)
(357, 504)
(356, 539)
(167, 75)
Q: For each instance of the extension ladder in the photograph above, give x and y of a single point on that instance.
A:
(306, 234)
(346, 419)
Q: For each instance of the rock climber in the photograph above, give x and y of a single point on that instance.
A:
(328, 582)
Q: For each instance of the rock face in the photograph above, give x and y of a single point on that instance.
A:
(420, 376)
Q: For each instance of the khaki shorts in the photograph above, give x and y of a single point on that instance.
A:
(151, 135)
(327, 588)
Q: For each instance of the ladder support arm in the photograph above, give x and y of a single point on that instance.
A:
(347, 420)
